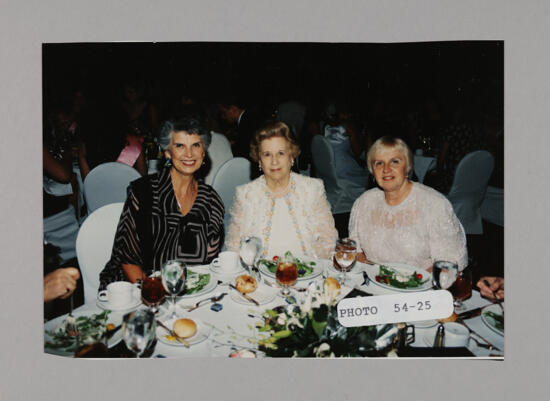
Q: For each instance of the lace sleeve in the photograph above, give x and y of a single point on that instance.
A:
(354, 221)
(235, 226)
(447, 238)
(126, 246)
(325, 230)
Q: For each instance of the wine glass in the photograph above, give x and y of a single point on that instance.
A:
(152, 291)
(462, 287)
(444, 274)
(138, 329)
(249, 253)
(174, 274)
(286, 275)
(344, 257)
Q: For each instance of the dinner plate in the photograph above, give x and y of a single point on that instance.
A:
(429, 341)
(203, 331)
(59, 324)
(489, 321)
(263, 295)
(105, 305)
(317, 270)
(207, 288)
(374, 270)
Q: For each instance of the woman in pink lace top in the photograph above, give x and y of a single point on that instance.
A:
(404, 221)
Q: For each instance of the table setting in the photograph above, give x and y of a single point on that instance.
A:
(243, 306)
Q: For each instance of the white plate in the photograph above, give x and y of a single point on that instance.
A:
(374, 270)
(489, 321)
(203, 331)
(424, 324)
(263, 295)
(317, 270)
(430, 343)
(207, 288)
(59, 324)
(136, 302)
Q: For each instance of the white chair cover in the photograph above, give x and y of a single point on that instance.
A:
(468, 189)
(107, 183)
(232, 173)
(492, 208)
(94, 245)
(340, 193)
(423, 164)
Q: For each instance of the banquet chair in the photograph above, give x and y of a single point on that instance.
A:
(341, 193)
(107, 183)
(232, 173)
(422, 165)
(468, 189)
(94, 244)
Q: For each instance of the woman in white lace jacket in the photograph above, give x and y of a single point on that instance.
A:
(404, 221)
(288, 211)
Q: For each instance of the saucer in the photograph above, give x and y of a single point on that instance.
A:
(128, 307)
(219, 272)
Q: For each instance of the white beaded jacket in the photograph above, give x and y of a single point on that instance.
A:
(304, 207)
(423, 228)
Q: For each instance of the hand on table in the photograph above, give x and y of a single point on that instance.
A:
(60, 283)
(496, 285)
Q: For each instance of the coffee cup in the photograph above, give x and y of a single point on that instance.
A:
(226, 262)
(119, 294)
(456, 335)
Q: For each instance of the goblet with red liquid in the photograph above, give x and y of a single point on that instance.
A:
(152, 291)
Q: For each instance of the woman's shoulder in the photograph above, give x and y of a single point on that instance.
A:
(429, 195)
(306, 181)
(371, 195)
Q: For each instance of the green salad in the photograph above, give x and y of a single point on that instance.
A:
(90, 329)
(397, 279)
(498, 318)
(195, 282)
(304, 268)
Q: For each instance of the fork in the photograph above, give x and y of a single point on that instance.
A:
(215, 298)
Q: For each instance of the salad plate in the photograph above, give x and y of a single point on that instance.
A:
(400, 277)
(307, 268)
(90, 325)
(263, 295)
(203, 331)
(197, 283)
(492, 316)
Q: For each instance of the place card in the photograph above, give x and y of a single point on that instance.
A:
(395, 308)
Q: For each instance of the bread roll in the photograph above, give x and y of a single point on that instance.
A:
(331, 284)
(185, 328)
(246, 284)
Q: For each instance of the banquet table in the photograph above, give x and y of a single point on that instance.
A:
(230, 328)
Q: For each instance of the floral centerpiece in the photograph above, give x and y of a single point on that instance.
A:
(312, 330)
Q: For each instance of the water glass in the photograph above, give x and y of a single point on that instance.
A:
(174, 274)
(138, 330)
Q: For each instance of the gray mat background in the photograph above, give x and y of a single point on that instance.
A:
(27, 373)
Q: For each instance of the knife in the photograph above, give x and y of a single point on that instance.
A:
(181, 340)
(469, 314)
(246, 296)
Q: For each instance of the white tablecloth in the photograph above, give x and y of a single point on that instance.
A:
(241, 318)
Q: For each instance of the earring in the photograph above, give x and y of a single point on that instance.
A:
(168, 162)
(203, 162)
(259, 167)
(292, 164)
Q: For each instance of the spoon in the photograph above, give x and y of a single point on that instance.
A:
(212, 299)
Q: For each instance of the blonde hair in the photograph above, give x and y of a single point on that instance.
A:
(390, 142)
(272, 130)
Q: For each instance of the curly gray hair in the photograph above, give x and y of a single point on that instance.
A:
(187, 124)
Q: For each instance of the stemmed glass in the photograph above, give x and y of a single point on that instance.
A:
(444, 274)
(249, 253)
(152, 291)
(174, 274)
(344, 257)
(462, 287)
(286, 275)
(138, 329)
